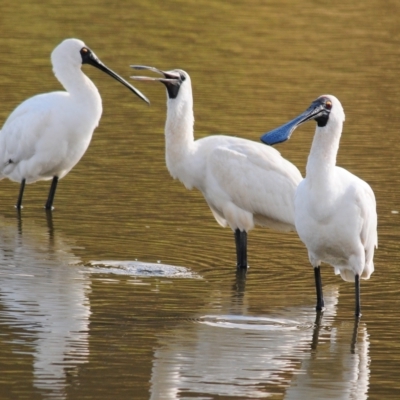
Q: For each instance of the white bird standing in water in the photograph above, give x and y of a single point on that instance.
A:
(243, 182)
(335, 211)
(46, 135)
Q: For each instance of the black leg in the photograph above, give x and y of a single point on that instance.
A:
(357, 289)
(18, 206)
(52, 192)
(318, 286)
(241, 248)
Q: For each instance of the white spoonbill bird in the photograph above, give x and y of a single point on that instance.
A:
(46, 135)
(335, 211)
(243, 182)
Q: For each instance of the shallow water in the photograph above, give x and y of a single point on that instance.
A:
(128, 288)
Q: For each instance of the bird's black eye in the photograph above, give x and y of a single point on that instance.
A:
(84, 50)
(328, 105)
(183, 77)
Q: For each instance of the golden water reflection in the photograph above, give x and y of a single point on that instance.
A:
(69, 332)
(44, 304)
(253, 356)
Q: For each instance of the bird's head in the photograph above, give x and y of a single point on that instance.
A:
(176, 80)
(326, 110)
(71, 54)
(68, 52)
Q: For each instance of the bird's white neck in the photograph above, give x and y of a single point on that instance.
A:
(179, 137)
(77, 83)
(322, 159)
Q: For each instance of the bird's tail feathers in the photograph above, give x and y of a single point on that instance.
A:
(349, 276)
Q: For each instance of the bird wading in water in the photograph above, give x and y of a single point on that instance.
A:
(335, 211)
(243, 182)
(46, 135)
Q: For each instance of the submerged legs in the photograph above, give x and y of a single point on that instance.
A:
(18, 206)
(52, 192)
(318, 286)
(317, 328)
(357, 290)
(241, 248)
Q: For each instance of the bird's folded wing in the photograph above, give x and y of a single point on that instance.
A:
(22, 131)
(256, 178)
(365, 199)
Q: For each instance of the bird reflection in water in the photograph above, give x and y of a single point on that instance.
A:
(44, 303)
(237, 353)
(337, 367)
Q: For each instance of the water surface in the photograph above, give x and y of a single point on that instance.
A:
(128, 289)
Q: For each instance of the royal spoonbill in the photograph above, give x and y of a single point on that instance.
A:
(335, 211)
(46, 135)
(243, 182)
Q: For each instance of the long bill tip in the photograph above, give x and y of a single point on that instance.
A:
(140, 66)
(276, 136)
(283, 132)
(147, 68)
(98, 64)
(141, 95)
(150, 79)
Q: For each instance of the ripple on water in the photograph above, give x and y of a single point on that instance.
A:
(142, 269)
(255, 323)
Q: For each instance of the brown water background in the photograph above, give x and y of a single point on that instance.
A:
(75, 326)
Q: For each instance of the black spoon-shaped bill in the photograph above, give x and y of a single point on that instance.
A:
(88, 57)
(283, 133)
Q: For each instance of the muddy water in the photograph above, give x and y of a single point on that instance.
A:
(128, 289)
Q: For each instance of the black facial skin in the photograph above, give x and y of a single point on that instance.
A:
(88, 57)
(173, 87)
(326, 106)
(322, 120)
(319, 111)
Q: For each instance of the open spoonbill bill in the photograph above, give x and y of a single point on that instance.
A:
(335, 211)
(243, 182)
(46, 135)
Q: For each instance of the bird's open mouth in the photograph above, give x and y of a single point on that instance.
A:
(170, 77)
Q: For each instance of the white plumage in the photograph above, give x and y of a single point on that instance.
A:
(46, 135)
(335, 211)
(244, 183)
